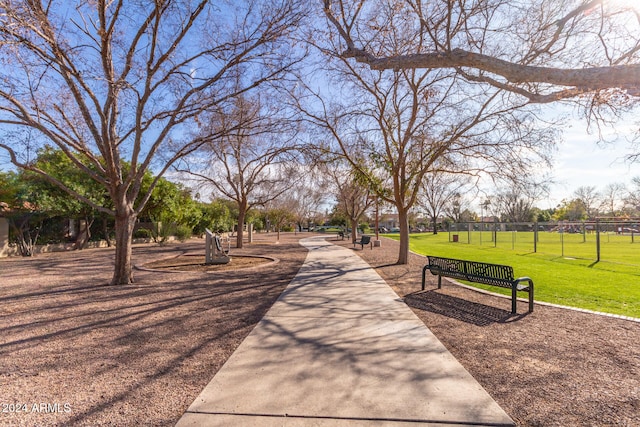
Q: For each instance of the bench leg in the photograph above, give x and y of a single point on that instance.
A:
(514, 300)
(439, 282)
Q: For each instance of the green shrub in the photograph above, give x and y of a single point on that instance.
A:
(142, 233)
(183, 232)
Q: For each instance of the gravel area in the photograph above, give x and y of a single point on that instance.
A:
(76, 351)
(552, 367)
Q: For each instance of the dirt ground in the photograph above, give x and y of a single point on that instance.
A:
(76, 351)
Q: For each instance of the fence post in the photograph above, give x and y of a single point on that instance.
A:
(535, 237)
(597, 240)
(495, 233)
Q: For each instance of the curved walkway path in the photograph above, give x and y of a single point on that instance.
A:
(339, 348)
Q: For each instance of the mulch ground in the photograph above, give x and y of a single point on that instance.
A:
(552, 367)
(76, 351)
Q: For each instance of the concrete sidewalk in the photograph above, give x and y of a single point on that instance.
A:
(339, 348)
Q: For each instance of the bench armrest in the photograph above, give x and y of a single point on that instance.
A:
(524, 279)
(528, 288)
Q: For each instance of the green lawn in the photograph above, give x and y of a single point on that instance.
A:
(612, 287)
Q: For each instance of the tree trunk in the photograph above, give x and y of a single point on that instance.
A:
(435, 224)
(105, 228)
(123, 273)
(403, 219)
(85, 234)
(354, 230)
(242, 214)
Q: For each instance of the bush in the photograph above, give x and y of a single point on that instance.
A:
(142, 233)
(183, 232)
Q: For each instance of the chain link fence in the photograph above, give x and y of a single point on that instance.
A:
(600, 240)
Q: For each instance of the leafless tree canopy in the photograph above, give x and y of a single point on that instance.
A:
(118, 86)
(441, 190)
(544, 50)
(589, 197)
(397, 126)
(253, 162)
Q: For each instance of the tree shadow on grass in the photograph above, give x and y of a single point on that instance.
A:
(460, 309)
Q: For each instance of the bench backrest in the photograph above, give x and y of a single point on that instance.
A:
(479, 272)
(365, 240)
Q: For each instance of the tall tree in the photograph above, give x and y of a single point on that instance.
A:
(408, 123)
(250, 165)
(353, 198)
(121, 84)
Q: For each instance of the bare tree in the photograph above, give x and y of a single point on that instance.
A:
(515, 204)
(252, 164)
(353, 198)
(310, 193)
(121, 84)
(439, 190)
(612, 197)
(394, 127)
(633, 196)
(590, 198)
(458, 208)
(514, 207)
(544, 50)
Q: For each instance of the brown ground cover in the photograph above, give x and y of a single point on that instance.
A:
(76, 351)
(94, 354)
(552, 367)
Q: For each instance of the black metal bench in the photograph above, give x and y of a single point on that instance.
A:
(480, 272)
(364, 240)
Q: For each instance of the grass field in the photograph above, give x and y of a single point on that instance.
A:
(573, 279)
(614, 248)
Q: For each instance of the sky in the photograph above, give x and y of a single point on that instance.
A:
(582, 161)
